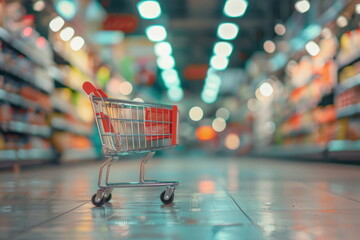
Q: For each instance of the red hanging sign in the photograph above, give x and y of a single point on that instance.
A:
(120, 22)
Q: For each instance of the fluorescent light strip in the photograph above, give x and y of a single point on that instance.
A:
(222, 50)
(149, 9)
(162, 49)
(235, 8)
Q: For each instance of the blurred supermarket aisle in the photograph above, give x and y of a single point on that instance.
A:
(220, 198)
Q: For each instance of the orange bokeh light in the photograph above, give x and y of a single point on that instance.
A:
(205, 133)
(206, 186)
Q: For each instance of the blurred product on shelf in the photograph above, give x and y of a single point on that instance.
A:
(42, 115)
(349, 48)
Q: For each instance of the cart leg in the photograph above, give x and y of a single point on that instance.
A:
(108, 170)
(100, 194)
(101, 169)
(142, 167)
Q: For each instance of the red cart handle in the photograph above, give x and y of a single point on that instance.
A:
(89, 88)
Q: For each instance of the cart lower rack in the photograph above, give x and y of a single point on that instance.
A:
(132, 127)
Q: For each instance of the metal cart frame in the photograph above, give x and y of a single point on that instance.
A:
(132, 127)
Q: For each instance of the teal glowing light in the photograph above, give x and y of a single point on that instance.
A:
(66, 8)
(149, 9)
(175, 94)
(108, 37)
(235, 8)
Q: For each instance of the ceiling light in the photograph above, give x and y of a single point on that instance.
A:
(165, 62)
(149, 9)
(232, 141)
(214, 79)
(169, 73)
(56, 23)
(266, 89)
(171, 78)
(227, 31)
(156, 33)
(162, 49)
(175, 94)
(357, 8)
(39, 6)
(66, 8)
(223, 49)
(280, 29)
(77, 43)
(235, 8)
(341, 21)
(219, 124)
(223, 113)
(312, 48)
(208, 99)
(211, 92)
(196, 113)
(269, 46)
(219, 62)
(67, 33)
(125, 88)
(302, 6)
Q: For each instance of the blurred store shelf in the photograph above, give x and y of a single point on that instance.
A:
(39, 83)
(26, 128)
(19, 101)
(23, 48)
(7, 157)
(349, 111)
(71, 155)
(343, 145)
(348, 60)
(335, 150)
(348, 83)
(64, 125)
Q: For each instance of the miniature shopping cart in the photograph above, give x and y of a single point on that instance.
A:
(132, 127)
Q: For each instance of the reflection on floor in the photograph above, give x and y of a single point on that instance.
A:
(220, 198)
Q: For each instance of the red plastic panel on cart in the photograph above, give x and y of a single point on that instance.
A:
(106, 122)
(158, 123)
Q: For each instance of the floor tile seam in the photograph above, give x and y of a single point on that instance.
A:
(46, 221)
(245, 214)
(334, 193)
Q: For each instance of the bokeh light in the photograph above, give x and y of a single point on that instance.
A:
(232, 141)
(223, 113)
(205, 133)
(219, 124)
(126, 88)
(196, 113)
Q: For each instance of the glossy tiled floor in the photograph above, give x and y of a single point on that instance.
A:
(220, 198)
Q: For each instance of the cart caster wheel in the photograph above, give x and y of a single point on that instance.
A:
(98, 203)
(108, 198)
(167, 201)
